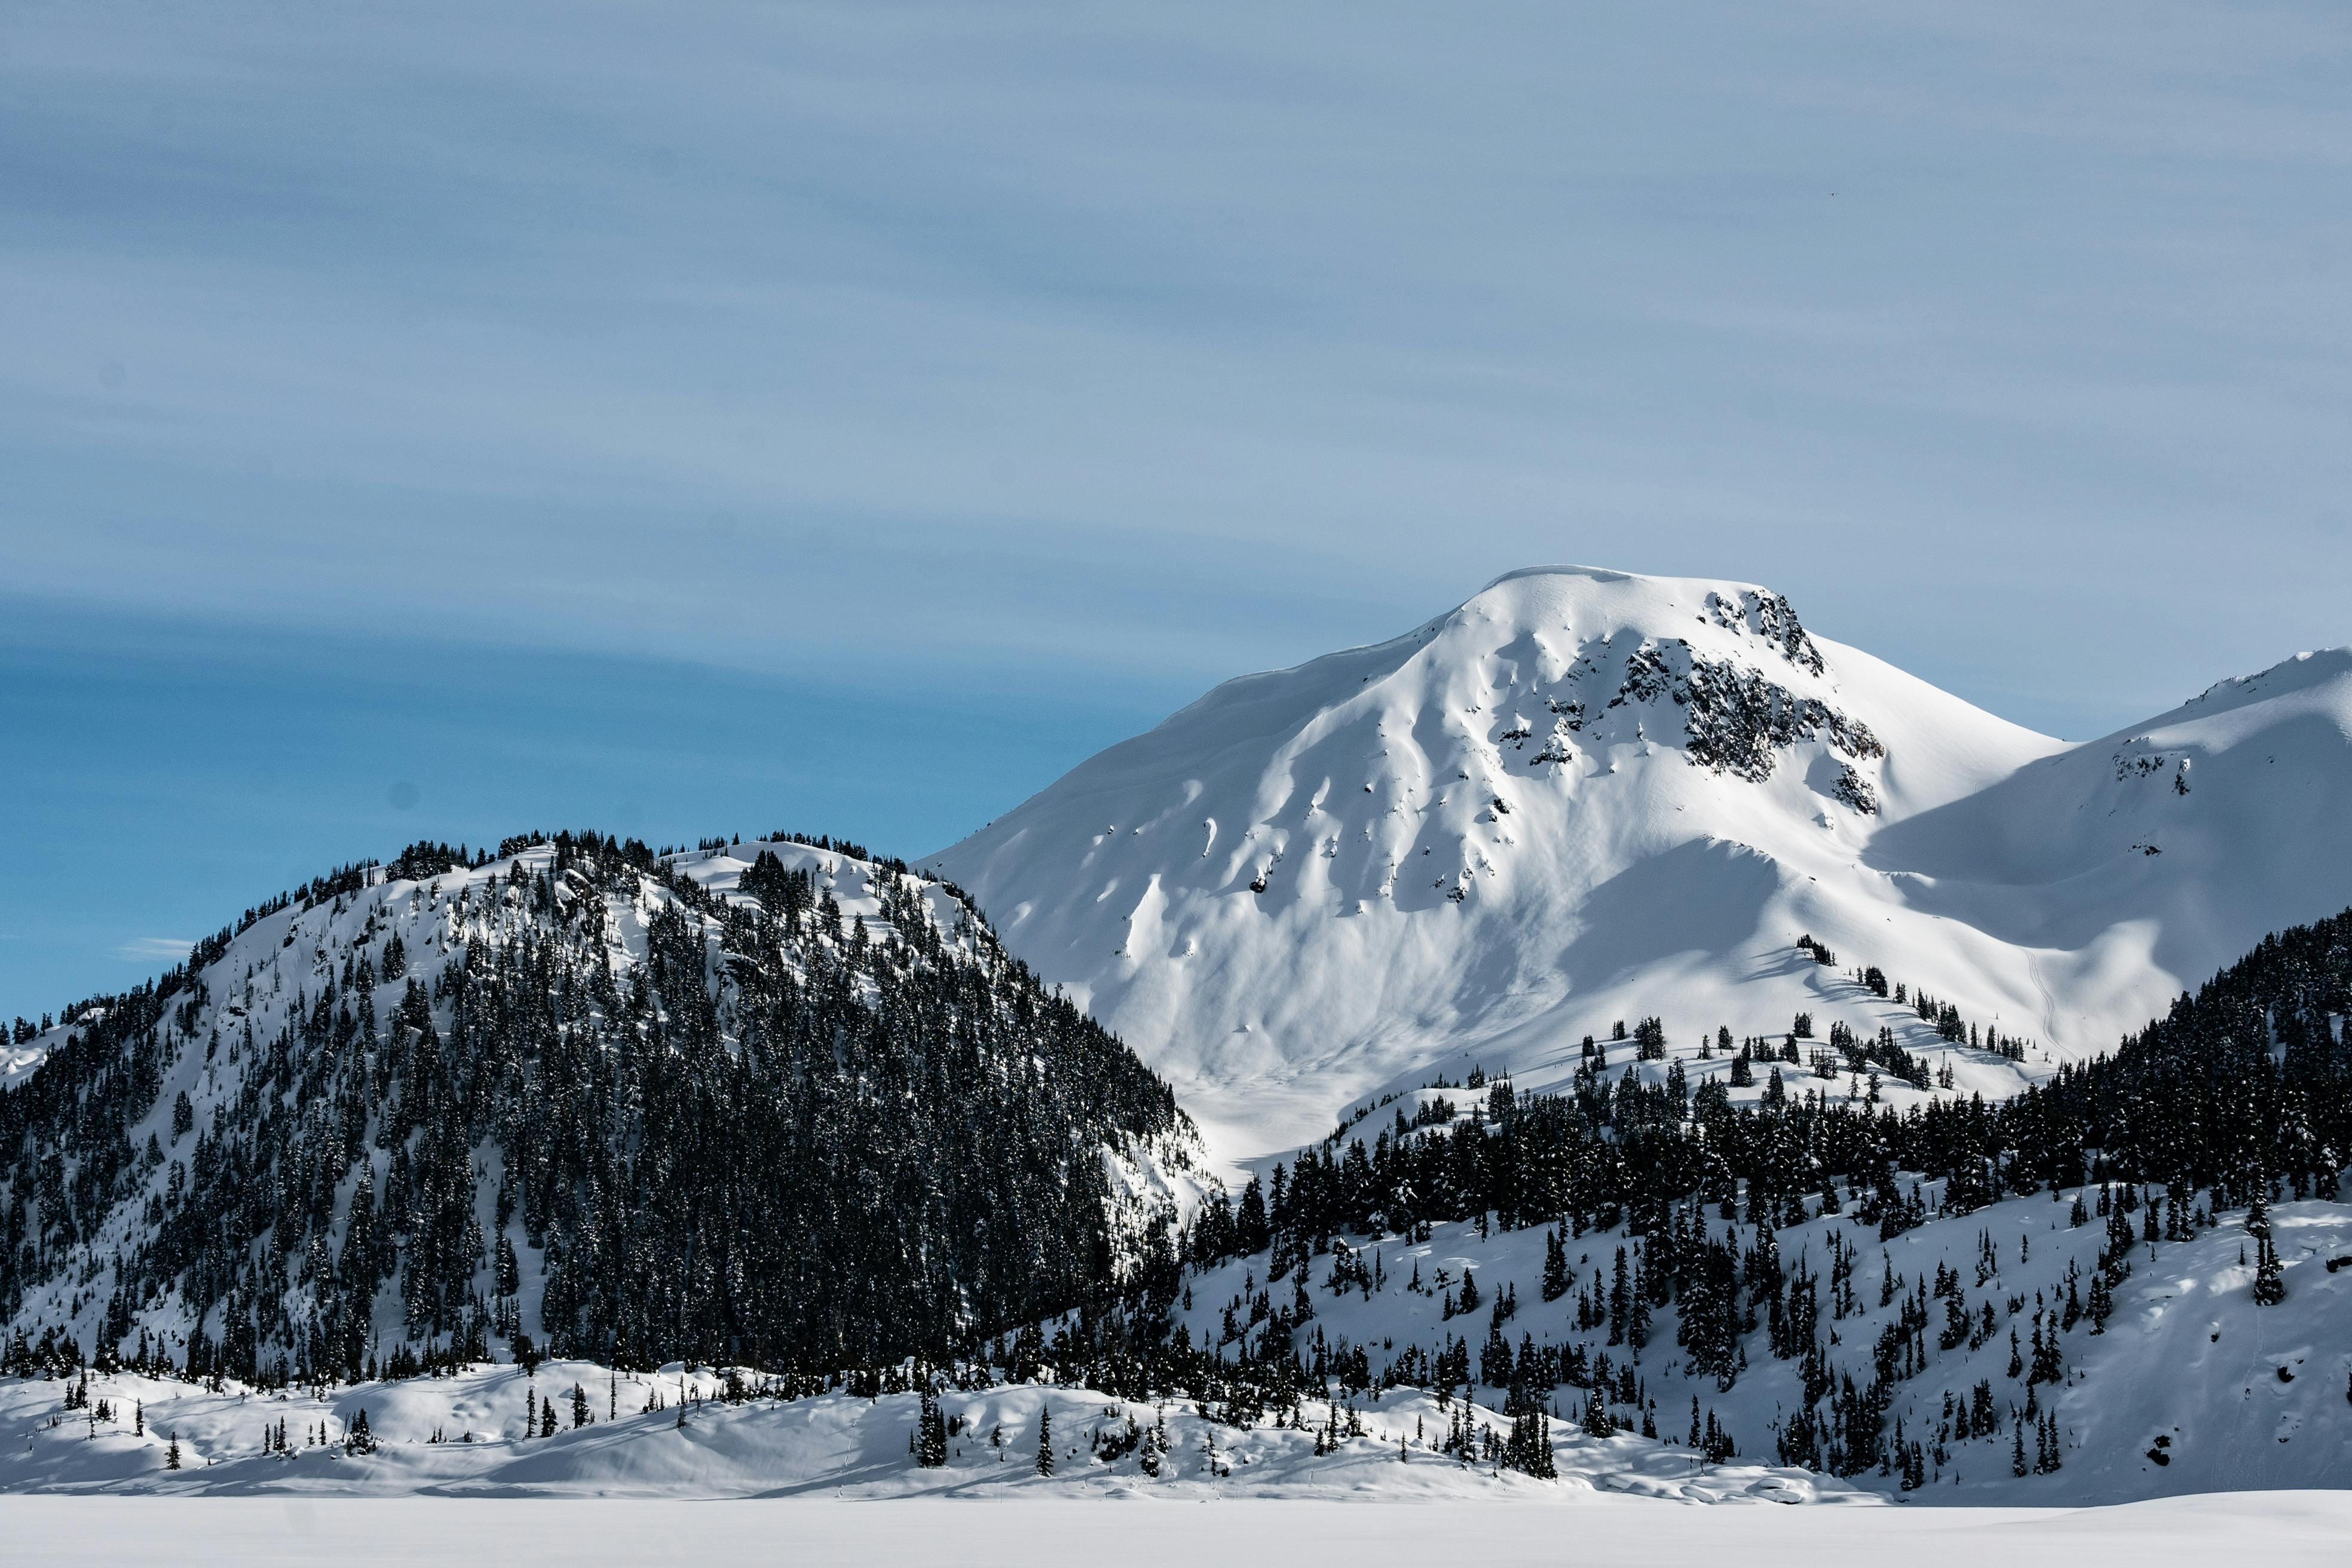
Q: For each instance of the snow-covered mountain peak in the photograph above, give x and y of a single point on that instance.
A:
(1303, 883)
(1584, 796)
(1546, 625)
(2302, 704)
(1564, 669)
(1610, 602)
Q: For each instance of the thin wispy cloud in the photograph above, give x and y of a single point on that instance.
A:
(155, 947)
(1207, 337)
(1032, 355)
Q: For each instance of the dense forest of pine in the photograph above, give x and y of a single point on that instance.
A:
(787, 1137)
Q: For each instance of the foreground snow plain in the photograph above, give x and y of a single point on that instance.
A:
(2279, 1529)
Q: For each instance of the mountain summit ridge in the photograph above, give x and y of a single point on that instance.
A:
(1582, 796)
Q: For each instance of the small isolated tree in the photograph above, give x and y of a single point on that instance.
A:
(359, 1439)
(930, 1432)
(1555, 1268)
(2269, 1290)
(1148, 1457)
(1044, 1441)
(172, 1453)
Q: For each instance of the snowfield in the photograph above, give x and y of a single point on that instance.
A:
(465, 1433)
(1583, 797)
(2285, 1529)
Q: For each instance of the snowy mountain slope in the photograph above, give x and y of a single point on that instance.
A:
(1584, 798)
(2124, 1281)
(2187, 1355)
(2130, 862)
(415, 1105)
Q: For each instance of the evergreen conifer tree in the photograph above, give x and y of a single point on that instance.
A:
(1555, 1266)
(931, 1431)
(2269, 1289)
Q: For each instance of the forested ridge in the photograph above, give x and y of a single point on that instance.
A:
(2250, 1078)
(419, 1113)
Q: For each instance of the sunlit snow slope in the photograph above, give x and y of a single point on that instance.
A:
(1584, 798)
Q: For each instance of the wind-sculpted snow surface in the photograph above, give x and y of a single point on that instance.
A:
(1584, 798)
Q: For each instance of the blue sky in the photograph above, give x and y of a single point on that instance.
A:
(728, 417)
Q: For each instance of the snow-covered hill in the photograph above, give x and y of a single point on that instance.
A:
(583, 1094)
(1583, 797)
